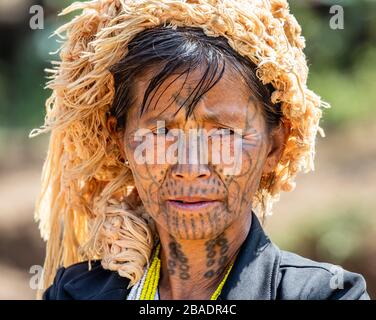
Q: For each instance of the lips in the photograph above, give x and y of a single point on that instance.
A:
(191, 203)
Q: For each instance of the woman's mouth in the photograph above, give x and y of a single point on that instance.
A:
(191, 203)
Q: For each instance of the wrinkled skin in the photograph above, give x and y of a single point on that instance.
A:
(197, 245)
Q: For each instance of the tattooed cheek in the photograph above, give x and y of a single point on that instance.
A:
(160, 175)
(219, 170)
(156, 173)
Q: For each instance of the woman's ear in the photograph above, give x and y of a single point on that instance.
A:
(118, 135)
(278, 138)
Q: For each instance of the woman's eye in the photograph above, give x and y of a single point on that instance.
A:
(223, 132)
(160, 131)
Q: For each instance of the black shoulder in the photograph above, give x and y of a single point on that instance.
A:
(305, 279)
(65, 276)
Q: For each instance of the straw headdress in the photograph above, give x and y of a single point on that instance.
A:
(80, 208)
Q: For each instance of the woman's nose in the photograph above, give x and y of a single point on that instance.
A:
(190, 172)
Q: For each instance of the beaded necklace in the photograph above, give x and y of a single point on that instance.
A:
(146, 289)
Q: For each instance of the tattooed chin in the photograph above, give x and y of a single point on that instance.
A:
(194, 212)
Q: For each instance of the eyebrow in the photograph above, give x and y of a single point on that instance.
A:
(153, 120)
(225, 119)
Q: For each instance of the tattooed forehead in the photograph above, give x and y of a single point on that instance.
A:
(225, 103)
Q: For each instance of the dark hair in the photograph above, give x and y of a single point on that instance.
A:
(178, 51)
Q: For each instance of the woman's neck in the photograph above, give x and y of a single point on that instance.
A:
(193, 269)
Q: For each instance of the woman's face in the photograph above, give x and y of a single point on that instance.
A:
(193, 196)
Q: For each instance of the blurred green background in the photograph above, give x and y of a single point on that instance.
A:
(329, 217)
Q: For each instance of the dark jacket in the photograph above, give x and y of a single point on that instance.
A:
(261, 271)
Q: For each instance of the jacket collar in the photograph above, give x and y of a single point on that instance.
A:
(253, 276)
(255, 270)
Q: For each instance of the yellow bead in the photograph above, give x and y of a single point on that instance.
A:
(219, 289)
(150, 275)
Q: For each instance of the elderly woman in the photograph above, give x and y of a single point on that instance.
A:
(174, 124)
